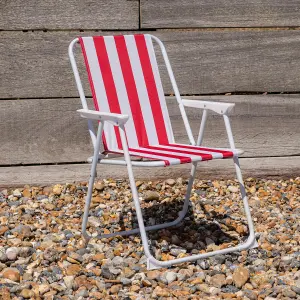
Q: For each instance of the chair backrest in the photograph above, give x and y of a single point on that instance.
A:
(124, 78)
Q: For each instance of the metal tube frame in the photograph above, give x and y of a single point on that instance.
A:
(152, 262)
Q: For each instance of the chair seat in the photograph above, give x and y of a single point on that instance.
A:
(175, 154)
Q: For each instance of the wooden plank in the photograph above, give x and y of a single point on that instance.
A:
(272, 167)
(36, 64)
(68, 14)
(42, 131)
(214, 13)
(38, 131)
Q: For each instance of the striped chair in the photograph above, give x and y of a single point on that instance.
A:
(134, 121)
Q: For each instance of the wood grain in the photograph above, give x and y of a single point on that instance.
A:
(272, 167)
(68, 14)
(38, 131)
(36, 64)
(214, 13)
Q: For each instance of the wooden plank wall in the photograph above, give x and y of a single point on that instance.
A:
(249, 49)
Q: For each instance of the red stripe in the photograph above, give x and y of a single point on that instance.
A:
(151, 88)
(131, 89)
(183, 159)
(108, 81)
(91, 85)
(225, 153)
(204, 156)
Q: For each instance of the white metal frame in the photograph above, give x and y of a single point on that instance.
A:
(120, 120)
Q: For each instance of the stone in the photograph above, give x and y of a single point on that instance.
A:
(170, 277)
(153, 274)
(203, 288)
(51, 254)
(218, 280)
(233, 189)
(160, 292)
(115, 288)
(184, 274)
(214, 291)
(146, 283)
(240, 276)
(250, 294)
(138, 183)
(170, 182)
(27, 294)
(82, 292)
(5, 293)
(23, 230)
(12, 274)
(12, 253)
(43, 288)
(17, 193)
(3, 229)
(295, 289)
(73, 269)
(203, 263)
(289, 293)
(57, 189)
(99, 186)
(151, 196)
(69, 281)
(26, 193)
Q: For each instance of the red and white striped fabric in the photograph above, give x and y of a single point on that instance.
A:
(124, 78)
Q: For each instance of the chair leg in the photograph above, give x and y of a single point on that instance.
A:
(93, 173)
(153, 263)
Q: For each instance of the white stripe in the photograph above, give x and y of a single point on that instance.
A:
(173, 161)
(159, 87)
(121, 89)
(141, 89)
(193, 157)
(97, 79)
(213, 154)
(221, 149)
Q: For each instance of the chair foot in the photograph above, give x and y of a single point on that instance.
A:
(254, 244)
(153, 263)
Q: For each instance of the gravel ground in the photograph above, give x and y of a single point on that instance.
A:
(42, 254)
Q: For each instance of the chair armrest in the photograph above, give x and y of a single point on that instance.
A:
(116, 119)
(218, 107)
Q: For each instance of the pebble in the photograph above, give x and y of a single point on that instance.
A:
(250, 294)
(170, 277)
(99, 186)
(12, 274)
(69, 281)
(240, 276)
(151, 196)
(170, 182)
(27, 294)
(12, 253)
(218, 280)
(42, 251)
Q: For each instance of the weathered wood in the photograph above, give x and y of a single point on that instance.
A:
(36, 64)
(50, 130)
(214, 13)
(272, 167)
(42, 131)
(49, 14)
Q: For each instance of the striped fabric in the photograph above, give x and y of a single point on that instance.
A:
(124, 78)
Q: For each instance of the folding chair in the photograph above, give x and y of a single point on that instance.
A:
(131, 109)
